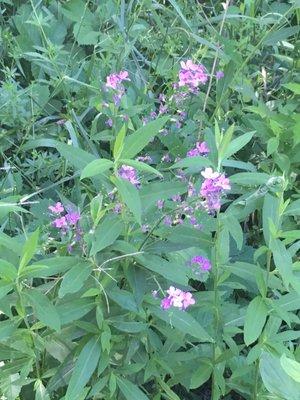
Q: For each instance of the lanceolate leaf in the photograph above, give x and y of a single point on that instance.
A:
(130, 196)
(130, 391)
(182, 321)
(255, 319)
(84, 367)
(43, 308)
(96, 167)
(134, 143)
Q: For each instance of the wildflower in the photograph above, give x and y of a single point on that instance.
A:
(154, 293)
(214, 185)
(145, 228)
(109, 122)
(201, 149)
(176, 198)
(177, 298)
(166, 158)
(129, 173)
(168, 220)
(192, 75)
(118, 208)
(61, 122)
(60, 223)
(57, 208)
(203, 263)
(72, 217)
(114, 81)
(219, 75)
(160, 204)
(144, 158)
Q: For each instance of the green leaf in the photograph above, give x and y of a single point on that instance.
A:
(192, 162)
(96, 167)
(129, 390)
(29, 250)
(84, 367)
(77, 157)
(7, 271)
(43, 308)
(141, 166)
(119, 143)
(281, 34)
(40, 391)
(182, 321)
(237, 144)
(160, 191)
(282, 260)
(276, 380)
(293, 208)
(250, 178)
(106, 233)
(201, 375)
(226, 139)
(171, 271)
(293, 86)
(291, 367)
(130, 196)
(255, 319)
(49, 267)
(74, 279)
(134, 143)
(270, 213)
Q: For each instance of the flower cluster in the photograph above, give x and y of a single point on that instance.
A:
(70, 219)
(177, 298)
(201, 149)
(115, 82)
(200, 263)
(192, 75)
(212, 188)
(129, 174)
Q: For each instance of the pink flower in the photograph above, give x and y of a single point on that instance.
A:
(57, 208)
(201, 149)
(114, 81)
(187, 300)
(192, 75)
(212, 188)
(60, 223)
(177, 298)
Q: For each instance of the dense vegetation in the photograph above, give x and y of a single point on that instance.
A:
(149, 200)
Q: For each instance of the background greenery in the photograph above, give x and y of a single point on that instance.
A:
(84, 325)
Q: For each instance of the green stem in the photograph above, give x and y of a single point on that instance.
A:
(216, 302)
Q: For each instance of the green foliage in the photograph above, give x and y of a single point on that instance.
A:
(80, 289)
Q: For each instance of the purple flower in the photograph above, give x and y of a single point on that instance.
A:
(57, 208)
(212, 188)
(219, 75)
(203, 263)
(166, 158)
(154, 293)
(145, 228)
(72, 217)
(176, 198)
(109, 122)
(177, 298)
(168, 220)
(201, 149)
(144, 158)
(160, 204)
(153, 114)
(192, 75)
(118, 208)
(61, 122)
(129, 173)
